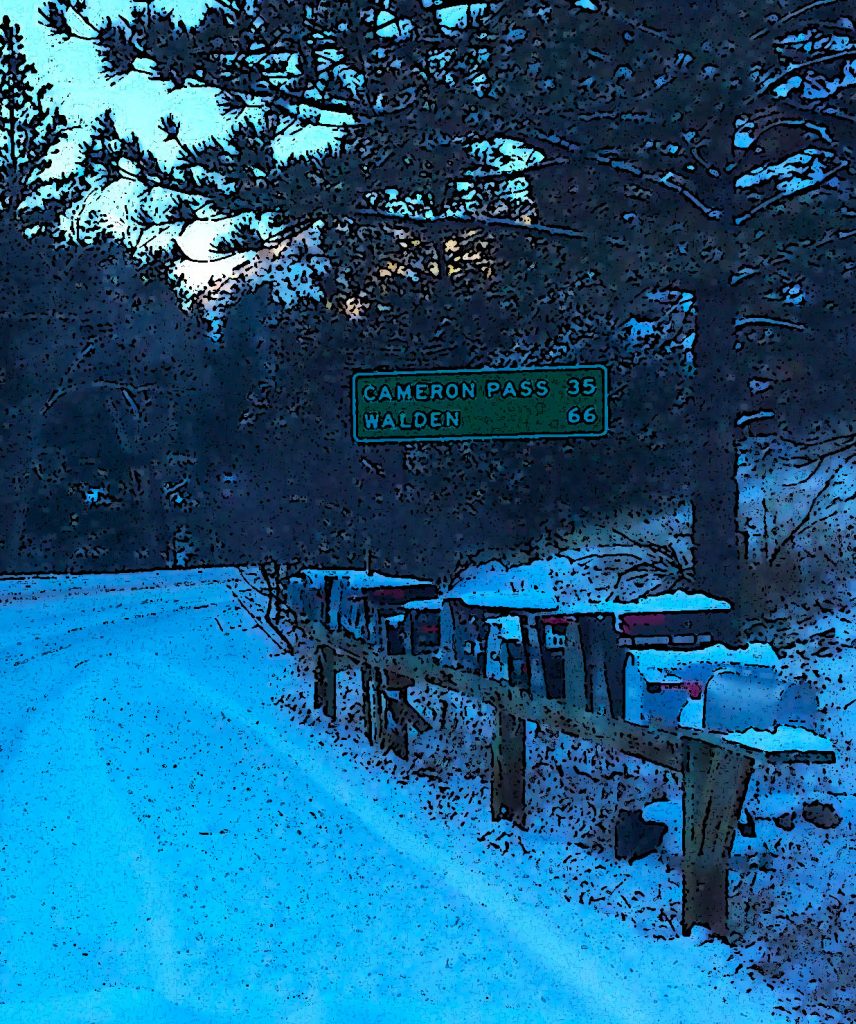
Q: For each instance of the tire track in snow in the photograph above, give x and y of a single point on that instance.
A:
(544, 945)
(107, 834)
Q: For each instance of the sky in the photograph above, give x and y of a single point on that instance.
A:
(80, 89)
(138, 104)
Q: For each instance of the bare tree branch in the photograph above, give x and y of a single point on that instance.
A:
(809, 519)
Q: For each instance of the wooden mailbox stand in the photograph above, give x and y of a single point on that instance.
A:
(715, 770)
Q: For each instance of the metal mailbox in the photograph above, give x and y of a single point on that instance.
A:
(421, 626)
(583, 650)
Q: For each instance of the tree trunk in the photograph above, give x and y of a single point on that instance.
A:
(160, 551)
(15, 559)
(719, 548)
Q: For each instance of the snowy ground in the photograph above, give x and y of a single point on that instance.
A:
(175, 850)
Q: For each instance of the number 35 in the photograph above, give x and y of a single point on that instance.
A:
(586, 386)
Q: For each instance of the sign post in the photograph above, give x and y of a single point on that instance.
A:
(460, 405)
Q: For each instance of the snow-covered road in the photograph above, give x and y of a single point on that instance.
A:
(171, 852)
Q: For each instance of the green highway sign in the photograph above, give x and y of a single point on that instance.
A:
(459, 405)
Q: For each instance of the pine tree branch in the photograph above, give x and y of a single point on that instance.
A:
(784, 122)
(790, 17)
(667, 181)
(767, 321)
(796, 69)
(786, 257)
(449, 220)
(500, 176)
(785, 196)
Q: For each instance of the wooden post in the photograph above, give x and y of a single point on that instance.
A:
(575, 671)
(318, 680)
(604, 665)
(378, 710)
(533, 656)
(373, 711)
(327, 612)
(591, 642)
(372, 701)
(406, 717)
(396, 740)
(366, 676)
(715, 785)
(508, 776)
(325, 682)
(524, 680)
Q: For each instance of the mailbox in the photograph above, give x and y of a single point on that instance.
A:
(582, 647)
(504, 653)
(558, 639)
(672, 687)
(308, 593)
(667, 629)
(422, 626)
(756, 697)
(395, 635)
(465, 646)
(361, 602)
(468, 629)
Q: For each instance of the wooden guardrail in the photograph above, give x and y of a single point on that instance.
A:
(715, 770)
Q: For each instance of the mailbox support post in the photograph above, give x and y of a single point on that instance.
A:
(715, 785)
(508, 774)
(325, 681)
(318, 681)
(372, 700)
(603, 662)
(406, 717)
(366, 679)
(377, 708)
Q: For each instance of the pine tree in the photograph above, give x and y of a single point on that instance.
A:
(708, 155)
(30, 129)
(98, 374)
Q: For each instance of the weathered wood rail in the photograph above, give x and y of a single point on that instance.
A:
(715, 770)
